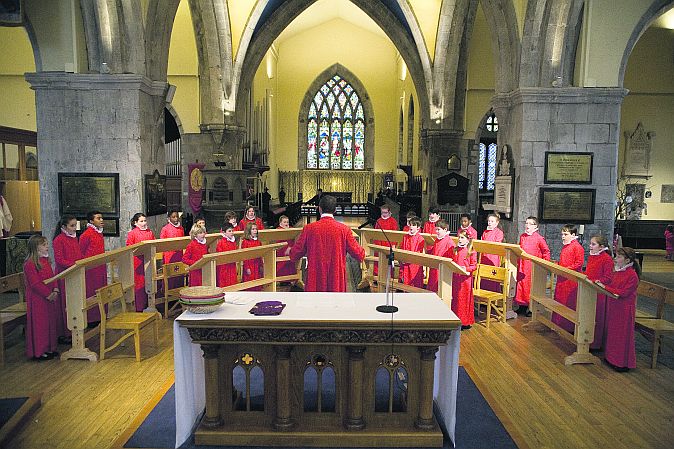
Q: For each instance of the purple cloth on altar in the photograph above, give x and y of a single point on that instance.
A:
(267, 308)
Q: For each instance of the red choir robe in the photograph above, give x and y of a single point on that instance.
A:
(227, 271)
(92, 244)
(244, 221)
(620, 314)
(134, 236)
(413, 274)
(66, 253)
(387, 224)
(535, 245)
(491, 235)
(441, 248)
(600, 268)
(252, 265)
(471, 232)
(193, 253)
(326, 243)
(167, 232)
(41, 314)
(288, 267)
(572, 257)
(462, 286)
(429, 228)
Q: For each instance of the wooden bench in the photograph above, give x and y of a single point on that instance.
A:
(14, 315)
(654, 327)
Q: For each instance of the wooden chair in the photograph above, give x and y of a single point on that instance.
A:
(493, 300)
(133, 322)
(654, 327)
(14, 315)
(172, 271)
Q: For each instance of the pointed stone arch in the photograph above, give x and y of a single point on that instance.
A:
(502, 20)
(368, 113)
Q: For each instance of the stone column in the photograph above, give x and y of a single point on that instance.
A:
(212, 417)
(572, 119)
(427, 370)
(354, 419)
(283, 419)
(436, 147)
(98, 124)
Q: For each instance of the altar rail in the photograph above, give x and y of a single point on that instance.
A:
(122, 270)
(543, 304)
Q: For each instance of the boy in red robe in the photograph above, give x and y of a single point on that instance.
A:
(572, 257)
(172, 229)
(227, 271)
(195, 250)
(66, 253)
(410, 214)
(599, 268)
(462, 286)
(442, 248)
(285, 268)
(92, 244)
(492, 234)
(413, 274)
(533, 243)
(42, 301)
(467, 225)
(620, 350)
(387, 223)
(326, 243)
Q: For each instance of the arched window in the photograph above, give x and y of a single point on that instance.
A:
(486, 169)
(336, 128)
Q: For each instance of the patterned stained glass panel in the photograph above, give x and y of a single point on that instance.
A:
(481, 167)
(312, 157)
(324, 149)
(491, 166)
(335, 145)
(334, 141)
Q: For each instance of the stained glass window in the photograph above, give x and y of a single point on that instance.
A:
(492, 123)
(339, 129)
(487, 166)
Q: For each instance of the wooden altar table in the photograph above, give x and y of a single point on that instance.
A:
(342, 331)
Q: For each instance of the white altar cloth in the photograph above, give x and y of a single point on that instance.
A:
(189, 362)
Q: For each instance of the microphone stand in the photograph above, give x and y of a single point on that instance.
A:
(388, 307)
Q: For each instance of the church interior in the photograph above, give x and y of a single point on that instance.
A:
(550, 108)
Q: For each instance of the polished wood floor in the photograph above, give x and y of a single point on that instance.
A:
(542, 402)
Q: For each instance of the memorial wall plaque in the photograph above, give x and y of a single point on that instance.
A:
(155, 193)
(80, 193)
(558, 205)
(573, 168)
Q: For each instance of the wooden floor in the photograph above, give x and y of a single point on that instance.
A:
(542, 403)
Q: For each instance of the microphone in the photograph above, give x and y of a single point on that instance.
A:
(388, 307)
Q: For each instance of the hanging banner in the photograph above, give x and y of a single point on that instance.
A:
(196, 186)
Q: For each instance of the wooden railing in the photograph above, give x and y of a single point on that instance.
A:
(121, 262)
(543, 304)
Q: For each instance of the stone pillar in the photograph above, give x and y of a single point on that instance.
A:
(436, 147)
(536, 120)
(98, 124)
(212, 417)
(283, 419)
(354, 419)
(424, 419)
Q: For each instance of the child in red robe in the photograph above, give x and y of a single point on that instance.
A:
(195, 250)
(620, 350)
(467, 225)
(572, 257)
(599, 268)
(227, 271)
(252, 268)
(533, 243)
(387, 223)
(66, 253)
(443, 247)
(410, 214)
(462, 286)
(429, 226)
(492, 234)
(230, 217)
(250, 217)
(285, 268)
(139, 233)
(413, 274)
(172, 229)
(42, 302)
(92, 244)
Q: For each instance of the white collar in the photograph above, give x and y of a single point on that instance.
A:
(570, 241)
(174, 225)
(467, 227)
(203, 242)
(390, 216)
(410, 232)
(74, 235)
(433, 221)
(440, 238)
(328, 215)
(99, 230)
(253, 238)
(625, 267)
(491, 229)
(532, 232)
(598, 252)
(465, 245)
(225, 236)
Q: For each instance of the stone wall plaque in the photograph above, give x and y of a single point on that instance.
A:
(80, 193)
(667, 193)
(637, 160)
(559, 205)
(155, 194)
(572, 168)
